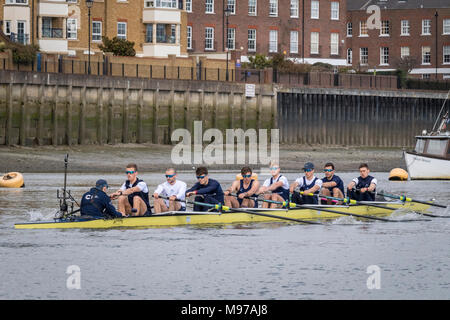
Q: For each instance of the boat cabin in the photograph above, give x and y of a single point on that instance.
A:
(434, 146)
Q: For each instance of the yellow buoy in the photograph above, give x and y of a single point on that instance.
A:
(254, 176)
(398, 174)
(12, 180)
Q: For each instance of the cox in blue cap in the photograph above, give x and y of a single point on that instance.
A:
(101, 183)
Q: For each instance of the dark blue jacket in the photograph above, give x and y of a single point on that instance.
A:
(339, 183)
(97, 204)
(212, 189)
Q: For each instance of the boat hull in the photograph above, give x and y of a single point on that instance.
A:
(426, 168)
(196, 218)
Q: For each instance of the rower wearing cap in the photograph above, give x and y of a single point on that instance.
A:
(207, 190)
(308, 184)
(97, 204)
(277, 184)
(244, 188)
(173, 189)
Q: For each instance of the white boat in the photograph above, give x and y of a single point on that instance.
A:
(431, 156)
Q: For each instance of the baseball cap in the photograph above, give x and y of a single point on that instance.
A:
(308, 165)
(101, 183)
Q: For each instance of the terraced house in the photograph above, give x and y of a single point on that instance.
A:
(158, 27)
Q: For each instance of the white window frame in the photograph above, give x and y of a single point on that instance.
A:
(364, 53)
(349, 28)
(209, 31)
(426, 54)
(121, 36)
(315, 9)
(384, 56)
(446, 52)
(189, 36)
(188, 5)
(350, 56)
(404, 28)
(404, 52)
(251, 40)
(74, 33)
(209, 6)
(293, 42)
(24, 2)
(273, 40)
(231, 4)
(7, 27)
(252, 8)
(385, 30)
(334, 11)
(361, 24)
(334, 44)
(273, 8)
(97, 36)
(231, 39)
(166, 4)
(294, 9)
(446, 26)
(314, 43)
(426, 27)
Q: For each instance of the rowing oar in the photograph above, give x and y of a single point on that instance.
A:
(221, 208)
(351, 201)
(343, 213)
(405, 198)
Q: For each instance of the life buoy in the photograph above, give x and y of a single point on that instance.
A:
(254, 176)
(12, 180)
(398, 174)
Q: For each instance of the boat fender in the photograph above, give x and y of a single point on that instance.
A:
(398, 174)
(12, 180)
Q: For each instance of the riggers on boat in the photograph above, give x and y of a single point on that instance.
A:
(169, 219)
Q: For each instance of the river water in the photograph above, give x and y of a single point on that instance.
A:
(276, 261)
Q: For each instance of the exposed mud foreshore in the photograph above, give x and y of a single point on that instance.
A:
(149, 157)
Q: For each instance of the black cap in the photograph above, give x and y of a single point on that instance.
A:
(308, 165)
(101, 183)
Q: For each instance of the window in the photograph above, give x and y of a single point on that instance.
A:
(273, 8)
(252, 7)
(149, 33)
(437, 146)
(426, 27)
(122, 30)
(420, 146)
(294, 8)
(72, 29)
(232, 6)
(349, 56)
(96, 31)
(294, 42)
(349, 29)
(334, 44)
(209, 38)
(314, 9)
(189, 37)
(384, 56)
(363, 56)
(446, 51)
(314, 43)
(446, 26)
(165, 3)
(426, 76)
(404, 28)
(426, 55)
(363, 29)
(384, 28)
(189, 5)
(8, 27)
(231, 38)
(334, 10)
(17, 1)
(273, 41)
(404, 52)
(251, 40)
(209, 6)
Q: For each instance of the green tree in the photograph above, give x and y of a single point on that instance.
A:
(23, 54)
(119, 47)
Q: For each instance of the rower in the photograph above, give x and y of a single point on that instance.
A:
(207, 190)
(96, 204)
(173, 189)
(309, 184)
(244, 188)
(277, 184)
(332, 185)
(133, 194)
(362, 188)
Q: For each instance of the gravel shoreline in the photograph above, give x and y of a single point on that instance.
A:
(155, 158)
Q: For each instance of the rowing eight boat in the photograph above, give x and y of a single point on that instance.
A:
(178, 218)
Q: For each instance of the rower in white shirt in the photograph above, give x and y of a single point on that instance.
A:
(173, 189)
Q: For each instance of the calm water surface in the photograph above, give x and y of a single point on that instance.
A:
(276, 261)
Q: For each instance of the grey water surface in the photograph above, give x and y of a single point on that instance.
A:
(260, 261)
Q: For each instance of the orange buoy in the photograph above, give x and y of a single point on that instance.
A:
(398, 174)
(12, 180)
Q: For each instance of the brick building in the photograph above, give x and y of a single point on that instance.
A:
(304, 30)
(413, 32)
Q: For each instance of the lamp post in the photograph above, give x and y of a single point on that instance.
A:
(227, 14)
(89, 4)
(436, 53)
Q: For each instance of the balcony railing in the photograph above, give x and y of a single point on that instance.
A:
(19, 38)
(52, 33)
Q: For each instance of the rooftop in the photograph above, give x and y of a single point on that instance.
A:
(353, 5)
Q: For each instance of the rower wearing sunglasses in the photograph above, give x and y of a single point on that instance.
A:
(174, 190)
(207, 190)
(244, 188)
(332, 185)
(308, 184)
(278, 185)
(133, 194)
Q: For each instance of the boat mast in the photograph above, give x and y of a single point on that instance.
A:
(439, 115)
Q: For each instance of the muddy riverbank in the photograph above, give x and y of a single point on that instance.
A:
(149, 157)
